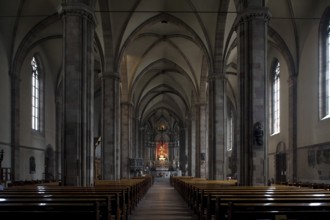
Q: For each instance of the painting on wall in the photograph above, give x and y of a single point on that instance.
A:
(318, 159)
(162, 151)
(323, 156)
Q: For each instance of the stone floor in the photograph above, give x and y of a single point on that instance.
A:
(162, 202)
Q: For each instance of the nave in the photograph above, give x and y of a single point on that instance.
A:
(162, 202)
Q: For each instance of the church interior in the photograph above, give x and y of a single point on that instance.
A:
(213, 109)
(104, 90)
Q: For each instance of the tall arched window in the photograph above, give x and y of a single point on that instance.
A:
(230, 138)
(324, 76)
(275, 98)
(230, 133)
(36, 92)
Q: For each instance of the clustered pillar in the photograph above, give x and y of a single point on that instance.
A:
(78, 67)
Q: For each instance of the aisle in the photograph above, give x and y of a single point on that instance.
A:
(162, 202)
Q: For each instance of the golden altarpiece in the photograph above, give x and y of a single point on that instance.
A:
(162, 144)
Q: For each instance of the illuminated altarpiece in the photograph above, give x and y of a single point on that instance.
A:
(163, 142)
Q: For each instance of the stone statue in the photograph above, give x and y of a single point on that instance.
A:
(258, 134)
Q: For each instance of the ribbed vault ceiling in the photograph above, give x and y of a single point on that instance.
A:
(163, 50)
(165, 53)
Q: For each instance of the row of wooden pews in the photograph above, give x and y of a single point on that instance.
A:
(224, 199)
(308, 185)
(133, 190)
(106, 200)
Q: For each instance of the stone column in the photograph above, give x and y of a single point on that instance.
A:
(139, 140)
(110, 126)
(202, 139)
(193, 145)
(188, 147)
(197, 141)
(126, 139)
(183, 152)
(252, 68)
(78, 90)
(143, 141)
(217, 127)
(134, 145)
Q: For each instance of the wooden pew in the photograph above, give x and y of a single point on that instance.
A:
(111, 200)
(273, 199)
(206, 197)
(212, 200)
(118, 195)
(208, 205)
(191, 188)
(136, 189)
(108, 200)
(43, 208)
(277, 208)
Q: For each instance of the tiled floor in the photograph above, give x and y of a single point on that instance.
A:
(162, 202)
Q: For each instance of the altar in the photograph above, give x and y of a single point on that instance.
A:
(165, 174)
(162, 165)
(164, 156)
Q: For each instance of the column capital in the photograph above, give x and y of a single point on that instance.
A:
(216, 76)
(253, 14)
(128, 103)
(79, 9)
(108, 75)
(198, 104)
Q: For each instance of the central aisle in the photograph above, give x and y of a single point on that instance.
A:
(162, 202)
